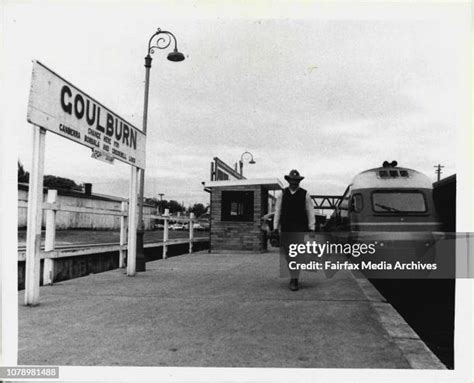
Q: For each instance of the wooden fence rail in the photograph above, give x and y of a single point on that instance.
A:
(51, 252)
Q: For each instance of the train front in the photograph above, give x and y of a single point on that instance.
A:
(391, 208)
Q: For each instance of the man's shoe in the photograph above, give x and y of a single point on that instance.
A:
(293, 284)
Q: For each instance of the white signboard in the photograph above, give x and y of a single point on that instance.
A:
(58, 106)
(102, 156)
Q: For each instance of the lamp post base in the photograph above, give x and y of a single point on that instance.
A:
(140, 261)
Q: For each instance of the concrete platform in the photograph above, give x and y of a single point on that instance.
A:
(217, 310)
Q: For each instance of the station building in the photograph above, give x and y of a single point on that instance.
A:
(237, 206)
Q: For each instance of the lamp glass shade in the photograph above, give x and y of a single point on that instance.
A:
(175, 56)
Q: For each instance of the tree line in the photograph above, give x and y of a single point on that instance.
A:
(175, 207)
(49, 180)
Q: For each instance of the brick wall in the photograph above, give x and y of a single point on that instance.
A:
(235, 235)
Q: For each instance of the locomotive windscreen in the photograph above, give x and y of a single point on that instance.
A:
(394, 202)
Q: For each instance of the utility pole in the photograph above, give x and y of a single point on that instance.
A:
(438, 170)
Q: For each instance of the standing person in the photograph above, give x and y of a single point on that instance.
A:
(293, 214)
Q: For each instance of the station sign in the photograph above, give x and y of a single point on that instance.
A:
(220, 171)
(102, 156)
(60, 107)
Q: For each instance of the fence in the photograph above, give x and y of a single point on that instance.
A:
(52, 252)
(77, 220)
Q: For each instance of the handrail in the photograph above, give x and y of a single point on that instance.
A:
(51, 251)
(74, 251)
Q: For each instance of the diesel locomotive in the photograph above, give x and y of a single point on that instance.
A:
(386, 199)
(391, 206)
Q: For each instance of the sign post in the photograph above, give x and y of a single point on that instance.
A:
(62, 108)
(35, 210)
(132, 224)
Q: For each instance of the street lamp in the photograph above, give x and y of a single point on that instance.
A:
(241, 162)
(163, 41)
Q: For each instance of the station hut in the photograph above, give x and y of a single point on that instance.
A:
(237, 207)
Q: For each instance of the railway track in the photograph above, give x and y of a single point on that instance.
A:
(71, 250)
(22, 248)
(75, 246)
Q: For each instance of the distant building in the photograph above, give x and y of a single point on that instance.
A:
(73, 220)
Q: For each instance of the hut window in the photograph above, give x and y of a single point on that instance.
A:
(237, 206)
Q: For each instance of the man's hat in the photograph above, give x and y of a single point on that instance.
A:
(294, 175)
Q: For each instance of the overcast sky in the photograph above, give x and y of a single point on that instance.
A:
(328, 90)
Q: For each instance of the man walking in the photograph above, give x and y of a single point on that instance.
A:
(293, 214)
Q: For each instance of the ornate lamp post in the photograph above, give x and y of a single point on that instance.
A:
(163, 41)
(241, 161)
